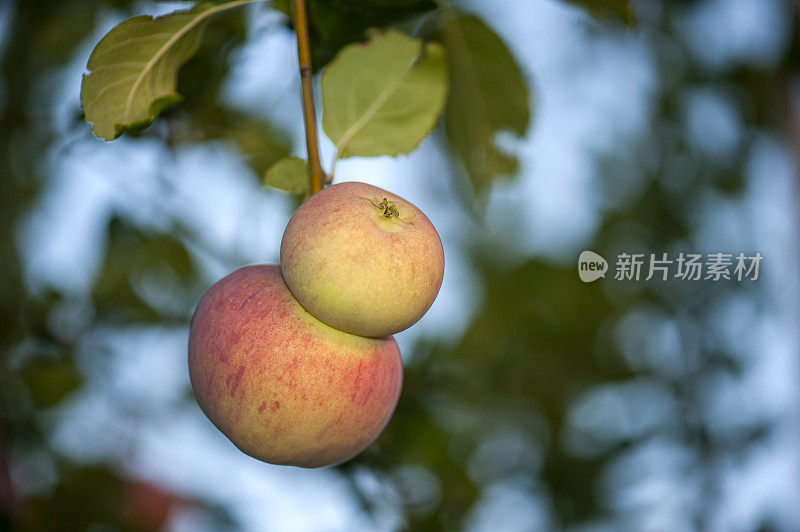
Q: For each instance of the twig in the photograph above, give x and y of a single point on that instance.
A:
(300, 19)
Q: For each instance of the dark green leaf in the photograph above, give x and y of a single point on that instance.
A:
(487, 95)
(334, 24)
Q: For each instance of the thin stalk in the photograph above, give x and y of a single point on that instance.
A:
(300, 18)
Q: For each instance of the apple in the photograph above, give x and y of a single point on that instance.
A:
(362, 260)
(284, 387)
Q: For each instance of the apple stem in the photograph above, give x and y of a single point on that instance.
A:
(388, 210)
(300, 19)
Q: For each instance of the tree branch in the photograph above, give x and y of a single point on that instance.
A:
(300, 19)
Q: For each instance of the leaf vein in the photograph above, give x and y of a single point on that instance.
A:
(132, 40)
(370, 113)
(108, 87)
(192, 24)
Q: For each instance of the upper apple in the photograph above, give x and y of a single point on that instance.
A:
(362, 260)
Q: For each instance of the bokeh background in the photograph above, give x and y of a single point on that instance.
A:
(531, 401)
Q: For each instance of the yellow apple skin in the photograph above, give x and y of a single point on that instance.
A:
(358, 269)
(284, 387)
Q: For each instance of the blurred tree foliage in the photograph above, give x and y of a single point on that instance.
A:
(494, 406)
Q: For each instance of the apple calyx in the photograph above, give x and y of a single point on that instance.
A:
(388, 210)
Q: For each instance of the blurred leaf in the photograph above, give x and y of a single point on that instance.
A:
(201, 117)
(383, 97)
(334, 24)
(291, 175)
(84, 497)
(134, 69)
(258, 141)
(96, 497)
(62, 26)
(413, 436)
(200, 79)
(261, 145)
(487, 95)
(530, 354)
(619, 10)
(50, 381)
(132, 253)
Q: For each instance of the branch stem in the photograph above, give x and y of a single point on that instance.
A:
(300, 18)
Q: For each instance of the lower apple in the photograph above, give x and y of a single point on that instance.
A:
(284, 387)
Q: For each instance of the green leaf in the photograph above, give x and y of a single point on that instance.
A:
(134, 68)
(487, 95)
(383, 97)
(619, 10)
(289, 174)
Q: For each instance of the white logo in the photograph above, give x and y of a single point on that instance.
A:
(663, 267)
(591, 266)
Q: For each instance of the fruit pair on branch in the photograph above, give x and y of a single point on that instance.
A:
(296, 364)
